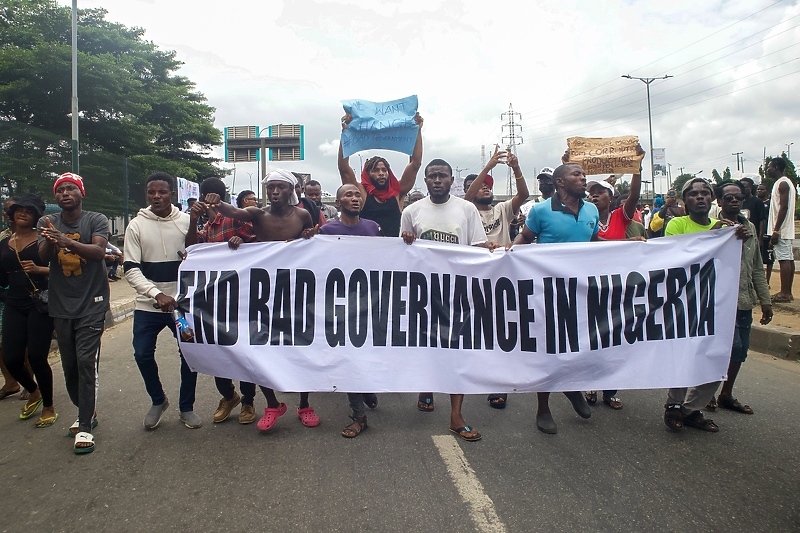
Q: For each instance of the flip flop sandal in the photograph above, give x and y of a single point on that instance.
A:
(6, 393)
(498, 401)
(83, 438)
(712, 405)
(732, 404)
(308, 417)
(673, 416)
(591, 397)
(75, 428)
(697, 421)
(613, 402)
(467, 433)
(46, 422)
(425, 404)
(30, 409)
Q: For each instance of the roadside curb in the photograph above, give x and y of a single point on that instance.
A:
(120, 311)
(777, 341)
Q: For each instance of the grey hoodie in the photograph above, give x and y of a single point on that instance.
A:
(153, 246)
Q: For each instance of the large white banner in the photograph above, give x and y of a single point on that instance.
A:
(371, 314)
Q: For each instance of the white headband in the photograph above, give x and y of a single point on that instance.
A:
(283, 175)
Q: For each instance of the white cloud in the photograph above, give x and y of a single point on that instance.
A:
(330, 148)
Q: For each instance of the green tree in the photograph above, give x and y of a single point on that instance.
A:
(790, 172)
(132, 105)
(726, 175)
(679, 182)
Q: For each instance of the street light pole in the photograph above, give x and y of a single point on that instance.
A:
(75, 145)
(647, 82)
(789, 150)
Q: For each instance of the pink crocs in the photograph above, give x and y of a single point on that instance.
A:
(308, 417)
(271, 415)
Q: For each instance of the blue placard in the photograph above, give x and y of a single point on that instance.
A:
(380, 125)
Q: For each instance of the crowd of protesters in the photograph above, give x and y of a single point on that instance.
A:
(66, 258)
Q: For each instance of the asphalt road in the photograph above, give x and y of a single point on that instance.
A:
(616, 471)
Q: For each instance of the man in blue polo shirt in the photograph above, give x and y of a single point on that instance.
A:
(564, 217)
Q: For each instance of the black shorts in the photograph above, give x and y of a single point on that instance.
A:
(766, 252)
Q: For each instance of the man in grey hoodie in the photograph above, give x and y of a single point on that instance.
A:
(154, 246)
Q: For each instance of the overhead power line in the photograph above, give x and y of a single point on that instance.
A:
(612, 123)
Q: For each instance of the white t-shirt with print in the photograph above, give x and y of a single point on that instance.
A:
(456, 221)
(496, 222)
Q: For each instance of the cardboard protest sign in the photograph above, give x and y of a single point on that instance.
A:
(380, 125)
(605, 155)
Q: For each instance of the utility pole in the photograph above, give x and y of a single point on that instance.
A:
(75, 145)
(126, 217)
(789, 150)
(459, 171)
(513, 141)
(647, 82)
(483, 156)
(737, 154)
(681, 169)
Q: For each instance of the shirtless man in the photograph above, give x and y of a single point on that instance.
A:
(279, 221)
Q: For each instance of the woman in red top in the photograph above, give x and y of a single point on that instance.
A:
(615, 225)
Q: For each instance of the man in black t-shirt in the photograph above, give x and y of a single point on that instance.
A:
(754, 207)
(74, 243)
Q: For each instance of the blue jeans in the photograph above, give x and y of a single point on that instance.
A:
(146, 327)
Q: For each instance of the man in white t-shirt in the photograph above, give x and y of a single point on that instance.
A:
(444, 218)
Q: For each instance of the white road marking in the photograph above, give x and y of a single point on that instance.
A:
(481, 506)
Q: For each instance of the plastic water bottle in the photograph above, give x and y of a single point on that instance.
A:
(186, 332)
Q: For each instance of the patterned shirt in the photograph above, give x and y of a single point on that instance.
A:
(221, 229)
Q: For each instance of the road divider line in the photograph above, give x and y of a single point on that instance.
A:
(481, 506)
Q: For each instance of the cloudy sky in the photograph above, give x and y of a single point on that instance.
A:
(734, 64)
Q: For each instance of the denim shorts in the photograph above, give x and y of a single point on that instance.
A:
(783, 250)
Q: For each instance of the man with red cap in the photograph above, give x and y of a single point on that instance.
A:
(74, 243)
(384, 194)
(496, 219)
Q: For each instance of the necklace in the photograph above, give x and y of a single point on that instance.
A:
(604, 225)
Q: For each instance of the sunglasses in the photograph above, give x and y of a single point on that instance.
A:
(730, 197)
